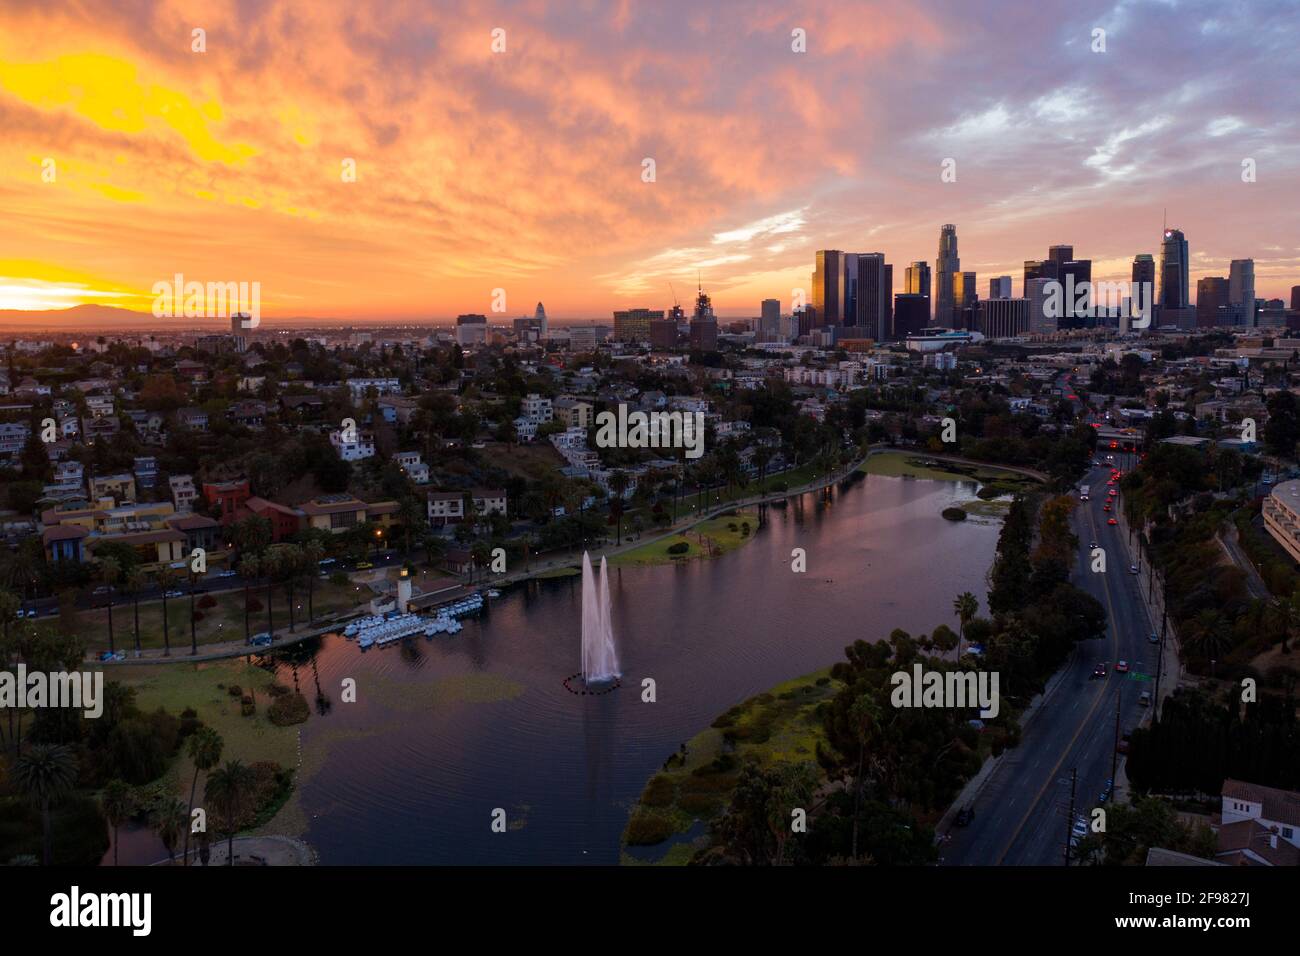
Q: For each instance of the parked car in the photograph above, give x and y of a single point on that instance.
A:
(260, 640)
(1132, 569)
(174, 594)
(362, 565)
(228, 573)
(1111, 521)
(964, 816)
(1153, 638)
(1144, 700)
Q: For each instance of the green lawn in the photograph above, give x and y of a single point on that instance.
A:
(903, 465)
(707, 539)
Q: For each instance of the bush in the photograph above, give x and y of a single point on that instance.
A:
(659, 792)
(681, 547)
(954, 514)
(287, 710)
(700, 804)
(647, 829)
(207, 601)
(246, 706)
(236, 691)
(277, 690)
(254, 605)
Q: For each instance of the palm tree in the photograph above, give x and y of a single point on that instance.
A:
(249, 568)
(435, 546)
(762, 457)
(194, 641)
(44, 774)
(118, 806)
(271, 563)
(965, 606)
(134, 585)
(169, 821)
(204, 749)
(110, 570)
(165, 578)
(618, 482)
(312, 552)
(229, 791)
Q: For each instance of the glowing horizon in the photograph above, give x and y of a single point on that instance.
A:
(128, 157)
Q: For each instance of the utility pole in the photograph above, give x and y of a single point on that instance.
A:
(1069, 817)
(1114, 753)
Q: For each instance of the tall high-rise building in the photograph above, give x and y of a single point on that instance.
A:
(1000, 287)
(1039, 269)
(1212, 302)
(1144, 270)
(1295, 298)
(704, 325)
(917, 282)
(539, 319)
(1076, 277)
(946, 267)
(1174, 274)
(1003, 318)
(769, 321)
(965, 301)
(1038, 291)
(1241, 290)
(849, 303)
(875, 296)
(828, 287)
(1060, 254)
(239, 331)
(911, 314)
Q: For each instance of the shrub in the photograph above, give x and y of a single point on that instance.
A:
(823, 681)
(954, 514)
(288, 709)
(277, 690)
(659, 792)
(254, 605)
(207, 601)
(681, 547)
(647, 829)
(699, 804)
(236, 691)
(246, 706)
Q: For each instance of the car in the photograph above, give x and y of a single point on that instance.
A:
(260, 640)
(228, 573)
(174, 594)
(1106, 507)
(1112, 521)
(1144, 699)
(102, 589)
(1093, 546)
(1110, 457)
(362, 565)
(1132, 569)
(1153, 638)
(325, 562)
(1112, 493)
(964, 816)
(1121, 667)
(1098, 671)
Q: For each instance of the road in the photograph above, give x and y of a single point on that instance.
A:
(1022, 811)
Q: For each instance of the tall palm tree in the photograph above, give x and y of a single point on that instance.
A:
(169, 822)
(44, 774)
(118, 806)
(165, 579)
(110, 570)
(135, 584)
(312, 552)
(271, 563)
(965, 606)
(229, 792)
(204, 749)
(194, 641)
(249, 568)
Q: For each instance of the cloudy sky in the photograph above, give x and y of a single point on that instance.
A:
(523, 169)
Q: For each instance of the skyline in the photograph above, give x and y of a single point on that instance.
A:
(762, 155)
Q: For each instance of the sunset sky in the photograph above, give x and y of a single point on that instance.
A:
(522, 170)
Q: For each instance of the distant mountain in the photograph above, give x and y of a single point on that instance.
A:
(92, 319)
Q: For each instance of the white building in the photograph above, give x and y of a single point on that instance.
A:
(382, 386)
(537, 409)
(354, 446)
(412, 466)
(183, 492)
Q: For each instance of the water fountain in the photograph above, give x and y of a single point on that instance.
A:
(599, 659)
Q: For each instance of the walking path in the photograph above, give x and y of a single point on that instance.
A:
(268, 850)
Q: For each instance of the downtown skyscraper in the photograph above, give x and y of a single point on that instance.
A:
(1174, 274)
(828, 287)
(946, 266)
(875, 297)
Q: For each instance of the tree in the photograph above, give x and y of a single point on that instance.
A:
(110, 571)
(134, 585)
(165, 578)
(966, 606)
(169, 821)
(312, 552)
(118, 806)
(204, 749)
(270, 569)
(249, 568)
(229, 794)
(194, 640)
(44, 774)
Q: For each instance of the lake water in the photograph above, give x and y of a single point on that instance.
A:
(447, 730)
